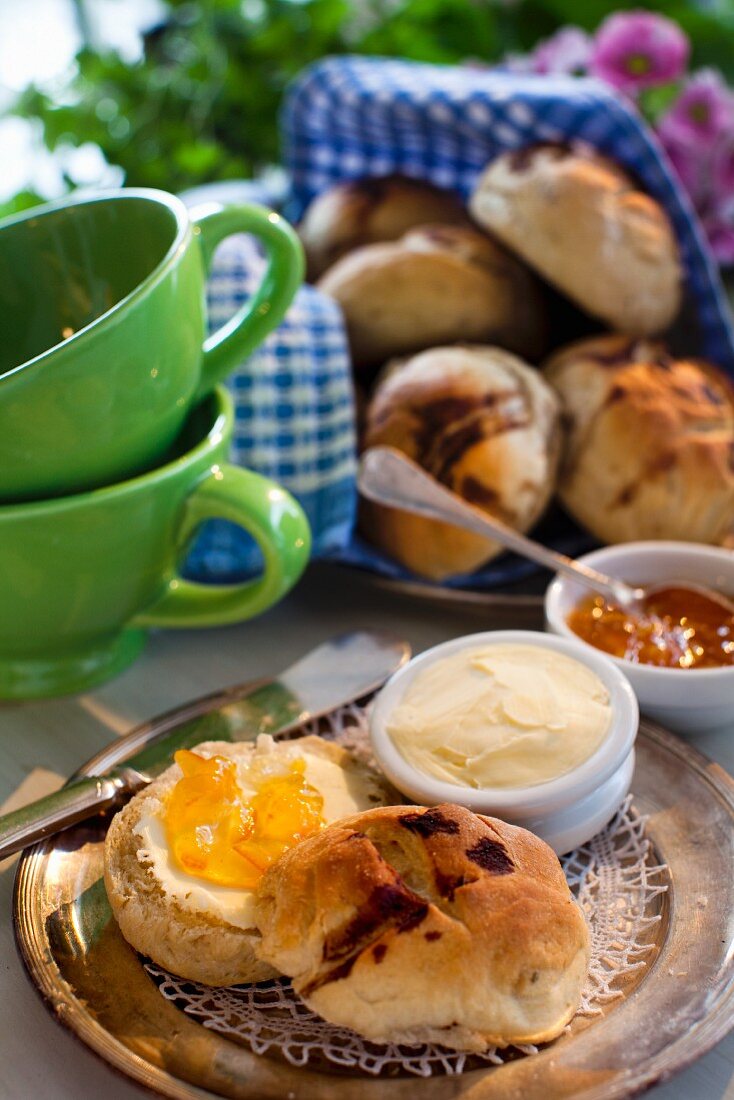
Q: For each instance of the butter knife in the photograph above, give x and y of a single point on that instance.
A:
(340, 671)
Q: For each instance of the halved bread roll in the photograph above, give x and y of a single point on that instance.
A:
(188, 925)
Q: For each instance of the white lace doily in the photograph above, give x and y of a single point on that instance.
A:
(614, 876)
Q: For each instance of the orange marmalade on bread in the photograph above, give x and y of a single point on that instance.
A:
(214, 832)
(677, 628)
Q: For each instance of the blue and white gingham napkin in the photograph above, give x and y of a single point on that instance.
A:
(294, 415)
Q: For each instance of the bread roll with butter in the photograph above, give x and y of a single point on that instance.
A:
(581, 223)
(189, 925)
(414, 925)
(438, 284)
(482, 423)
(650, 441)
(365, 211)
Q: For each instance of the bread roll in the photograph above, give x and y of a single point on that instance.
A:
(650, 443)
(582, 223)
(482, 423)
(415, 926)
(176, 922)
(365, 211)
(436, 285)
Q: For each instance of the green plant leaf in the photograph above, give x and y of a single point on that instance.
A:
(21, 201)
(654, 102)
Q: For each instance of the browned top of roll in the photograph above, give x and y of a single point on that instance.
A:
(469, 917)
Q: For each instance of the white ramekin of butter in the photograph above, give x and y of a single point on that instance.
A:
(528, 727)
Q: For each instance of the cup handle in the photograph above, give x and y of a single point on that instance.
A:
(276, 522)
(238, 338)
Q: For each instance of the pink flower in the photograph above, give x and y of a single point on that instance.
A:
(639, 49)
(567, 51)
(707, 173)
(721, 239)
(690, 166)
(701, 112)
(722, 170)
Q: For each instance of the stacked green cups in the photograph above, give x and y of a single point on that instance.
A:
(114, 432)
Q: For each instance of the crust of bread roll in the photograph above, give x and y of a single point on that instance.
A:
(412, 925)
(365, 211)
(650, 441)
(199, 945)
(482, 423)
(580, 221)
(436, 285)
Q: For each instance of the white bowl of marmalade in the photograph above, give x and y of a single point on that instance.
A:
(679, 653)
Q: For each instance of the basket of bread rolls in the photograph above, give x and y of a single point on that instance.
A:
(531, 310)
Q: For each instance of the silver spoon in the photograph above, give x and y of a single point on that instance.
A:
(389, 477)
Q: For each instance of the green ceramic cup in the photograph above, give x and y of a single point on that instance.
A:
(103, 320)
(84, 576)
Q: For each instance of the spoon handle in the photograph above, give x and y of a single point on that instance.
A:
(74, 802)
(388, 477)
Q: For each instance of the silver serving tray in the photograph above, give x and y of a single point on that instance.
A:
(674, 1010)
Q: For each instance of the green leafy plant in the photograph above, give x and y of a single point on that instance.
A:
(202, 102)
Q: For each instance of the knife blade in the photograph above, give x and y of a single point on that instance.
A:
(340, 671)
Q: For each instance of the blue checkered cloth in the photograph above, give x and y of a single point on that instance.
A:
(294, 415)
(347, 117)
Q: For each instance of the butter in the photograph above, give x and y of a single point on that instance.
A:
(501, 716)
(345, 791)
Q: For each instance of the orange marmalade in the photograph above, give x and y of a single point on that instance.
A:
(677, 628)
(214, 832)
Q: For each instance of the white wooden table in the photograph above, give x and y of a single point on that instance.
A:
(40, 742)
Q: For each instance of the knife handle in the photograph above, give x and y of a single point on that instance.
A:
(71, 804)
